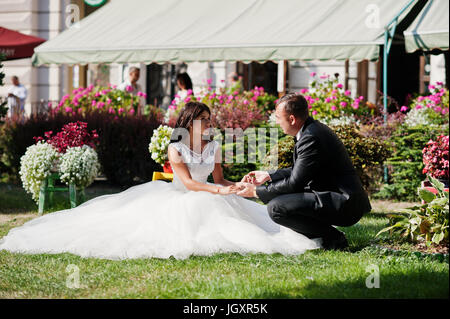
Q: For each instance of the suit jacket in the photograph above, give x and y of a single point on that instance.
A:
(322, 166)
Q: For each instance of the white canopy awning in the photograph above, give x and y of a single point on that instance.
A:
(430, 28)
(149, 31)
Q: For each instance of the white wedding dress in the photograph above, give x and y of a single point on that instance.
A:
(160, 219)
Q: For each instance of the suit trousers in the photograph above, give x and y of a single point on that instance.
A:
(312, 214)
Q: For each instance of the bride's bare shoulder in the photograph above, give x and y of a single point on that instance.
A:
(174, 149)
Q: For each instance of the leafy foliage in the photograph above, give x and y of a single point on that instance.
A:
(406, 163)
(365, 152)
(122, 149)
(3, 108)
(428, 221)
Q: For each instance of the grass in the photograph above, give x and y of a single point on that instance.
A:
(315, 274)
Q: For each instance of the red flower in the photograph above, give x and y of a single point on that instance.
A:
(71, 135)
(436, 159)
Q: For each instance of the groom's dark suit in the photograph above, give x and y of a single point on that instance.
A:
(321, 189)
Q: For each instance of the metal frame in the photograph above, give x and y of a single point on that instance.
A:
(389, 32)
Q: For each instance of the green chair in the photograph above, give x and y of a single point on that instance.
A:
(48, 188)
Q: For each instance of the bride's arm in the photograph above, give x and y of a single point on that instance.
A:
(182, 171)
(218, 171)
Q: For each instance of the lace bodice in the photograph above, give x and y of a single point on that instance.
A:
(199, 165)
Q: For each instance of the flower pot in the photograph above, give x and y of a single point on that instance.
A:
(427, 185)
(167, 168)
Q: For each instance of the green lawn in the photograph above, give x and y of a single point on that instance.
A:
(315, 274)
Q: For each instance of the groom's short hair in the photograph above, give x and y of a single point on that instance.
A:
(295, 104)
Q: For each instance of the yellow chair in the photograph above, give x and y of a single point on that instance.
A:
(162, 176)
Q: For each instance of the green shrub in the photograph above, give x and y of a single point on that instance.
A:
(3, 107)
(122, 151)
(367, 153)
(406, 163)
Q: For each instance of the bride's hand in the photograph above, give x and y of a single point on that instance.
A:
(227, 190)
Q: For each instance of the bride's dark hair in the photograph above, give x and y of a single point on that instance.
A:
(188, 114)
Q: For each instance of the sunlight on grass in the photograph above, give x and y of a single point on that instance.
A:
(314, 274)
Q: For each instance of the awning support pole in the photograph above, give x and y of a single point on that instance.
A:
(389, 32)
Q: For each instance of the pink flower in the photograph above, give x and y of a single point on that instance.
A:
(100, 105)
(339, 86)
(303, 91)
(111, 110)
(327, 100)
(188, 99)
(245, 102)
(431, 87)
(129, 88)
(314, 112)
(189, 92)
(131, 111)
(94, 102)
(68, 109)
(343, 104)
(121, 110)
(209, 81)
(347, 92)
(404, 108)
(333, 108)
(108, 101)
(312, 74)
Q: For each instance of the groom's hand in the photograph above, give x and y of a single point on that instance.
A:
(256, 177)
(247, 190)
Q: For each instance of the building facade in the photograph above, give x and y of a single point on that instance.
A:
(48, 18)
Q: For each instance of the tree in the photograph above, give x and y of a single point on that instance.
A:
(3, 102)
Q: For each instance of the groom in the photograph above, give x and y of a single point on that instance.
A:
(320, 190)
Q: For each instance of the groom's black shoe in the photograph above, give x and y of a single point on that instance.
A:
(336, 242)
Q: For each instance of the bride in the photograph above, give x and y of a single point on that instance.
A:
(189, 216)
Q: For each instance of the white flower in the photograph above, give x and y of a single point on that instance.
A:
(79, 165)
(159, 143)
(35, 166)
(418, 116)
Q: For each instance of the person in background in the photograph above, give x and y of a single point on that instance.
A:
(235, 83)
(184, 84)
(17, 95)
(131, 85)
